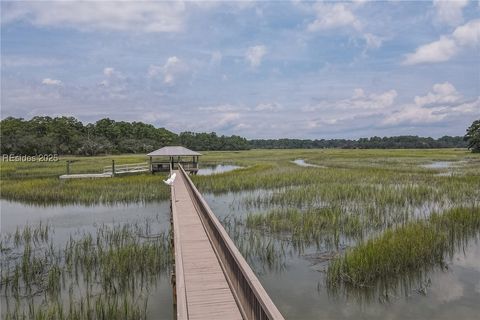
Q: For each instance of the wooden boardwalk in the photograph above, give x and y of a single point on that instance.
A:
(212, 280)
(110, 171)
(85, 176)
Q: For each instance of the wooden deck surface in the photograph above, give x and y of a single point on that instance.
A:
(85, 176)
(208, 295)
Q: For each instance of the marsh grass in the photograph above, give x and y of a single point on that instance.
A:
(355, 197)
(103, 275)
(409, 250)
(261, 252)
(348, 174)
(125, 189)
(38, 182)
(315, 225)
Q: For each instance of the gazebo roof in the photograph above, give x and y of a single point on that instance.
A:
(173, 151)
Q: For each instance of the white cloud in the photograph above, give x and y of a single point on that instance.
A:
(330, 16)
(108, 71)
(145, 16)
(438, 51)
(171, 70)
(450, 12)
(444, 101)
(222, 108)
(441, 93)
(255, 54)
(28, 61)
(216, 58)
(51, 82)
(359, 102)
(114, 79)
(219, 121)
(372, 41)
(412, 114)
(154, 70)
(269, 106)
(467, 35)
(227, 119)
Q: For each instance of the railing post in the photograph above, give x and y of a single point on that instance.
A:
(68, 166)
(113, 168)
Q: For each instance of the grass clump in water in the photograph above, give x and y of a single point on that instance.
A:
(409, 249)
(260, 251)
(306, 226)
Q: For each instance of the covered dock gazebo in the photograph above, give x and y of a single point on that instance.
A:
(161, 159)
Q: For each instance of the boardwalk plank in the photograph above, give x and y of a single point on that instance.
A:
(208, 294)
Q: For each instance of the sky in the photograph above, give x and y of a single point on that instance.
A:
(283, 69)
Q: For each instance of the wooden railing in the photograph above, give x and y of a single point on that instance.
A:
(251, 297)
(124, 168)
(164, 165)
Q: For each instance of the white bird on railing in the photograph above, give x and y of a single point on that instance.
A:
(170, 180)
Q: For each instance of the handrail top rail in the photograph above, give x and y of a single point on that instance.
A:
(128, 165)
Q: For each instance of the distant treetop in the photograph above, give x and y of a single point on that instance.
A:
(473, 136)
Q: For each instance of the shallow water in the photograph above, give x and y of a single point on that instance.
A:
(216, 169)
(302, 163)
(439, 165)
(299, 293)
(298, 289)
(77, 219)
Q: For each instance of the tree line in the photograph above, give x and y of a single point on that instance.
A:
(69, 136)
(398, 142)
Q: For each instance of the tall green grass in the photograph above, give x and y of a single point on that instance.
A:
(388, 175)
(311, 225)
(414, 247)
(102, 275)
(125, 189)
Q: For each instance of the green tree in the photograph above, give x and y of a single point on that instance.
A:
(473, 136)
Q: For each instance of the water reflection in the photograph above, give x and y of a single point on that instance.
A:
(216, 169)
(438, 165)
(80, 217)
(296, 281)
(76, 222)
(293, 276)
(302, 163)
